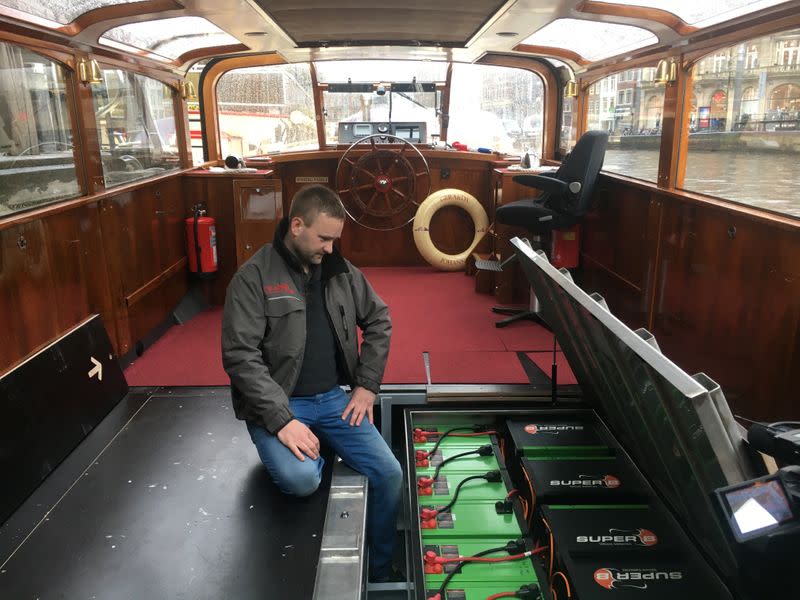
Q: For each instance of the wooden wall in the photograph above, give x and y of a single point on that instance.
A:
(120, 256)
(718, 287)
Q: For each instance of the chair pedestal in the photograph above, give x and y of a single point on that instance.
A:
(521, 314)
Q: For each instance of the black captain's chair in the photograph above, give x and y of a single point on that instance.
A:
(566, 198)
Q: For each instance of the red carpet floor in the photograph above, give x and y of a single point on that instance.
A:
(434, 312)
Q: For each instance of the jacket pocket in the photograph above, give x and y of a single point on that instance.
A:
(284, 337)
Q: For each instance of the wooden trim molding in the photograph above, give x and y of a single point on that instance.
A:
(155, 282)
(561, 53)
(628, 11)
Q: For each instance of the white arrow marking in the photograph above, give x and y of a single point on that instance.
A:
(97, 369)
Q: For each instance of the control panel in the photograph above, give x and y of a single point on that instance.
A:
(414, 132)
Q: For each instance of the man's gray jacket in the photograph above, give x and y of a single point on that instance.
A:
(264, 330)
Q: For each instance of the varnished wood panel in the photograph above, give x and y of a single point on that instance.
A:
(258, 210)
(217, 195)
(728, 303)
(719, 289)
(142, 237)
(152, 309)
(26, 282)
(52, 276)
(618, 249)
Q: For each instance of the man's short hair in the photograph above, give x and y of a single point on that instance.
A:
(313, 200)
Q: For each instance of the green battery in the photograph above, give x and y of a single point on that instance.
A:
(469, 462)
(463, 436)
(468, 520)
(444, 488)
(476, 591)
(520, 570)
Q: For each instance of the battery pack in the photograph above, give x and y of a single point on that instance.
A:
(601, 481)
(551, 437)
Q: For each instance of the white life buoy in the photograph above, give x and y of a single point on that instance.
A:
(422, 223)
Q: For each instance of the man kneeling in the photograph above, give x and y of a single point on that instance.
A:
(289, 340)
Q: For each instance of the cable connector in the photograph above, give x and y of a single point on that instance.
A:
(493, 477)
(486, 450)
(504, 507)
(428, 513)
(516, 546)
(420, 455)
(529, 591)
(425, 482)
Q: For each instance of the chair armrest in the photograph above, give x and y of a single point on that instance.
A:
(542, 182)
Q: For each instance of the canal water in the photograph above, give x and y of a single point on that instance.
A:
(765, 180)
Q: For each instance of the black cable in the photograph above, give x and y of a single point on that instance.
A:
(482, 451)
(457, 570)
(444, 435)
(450, 504)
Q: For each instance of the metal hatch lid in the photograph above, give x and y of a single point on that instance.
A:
(677, 428)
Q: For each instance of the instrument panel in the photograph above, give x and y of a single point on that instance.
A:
(411, 131)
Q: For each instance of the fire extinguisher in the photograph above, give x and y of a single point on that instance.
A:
(201, 243)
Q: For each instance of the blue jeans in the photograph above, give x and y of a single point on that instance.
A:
(362, 448)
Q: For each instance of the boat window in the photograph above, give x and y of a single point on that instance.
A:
(592, 40)
(499, 108)
(58, 11)
(380, 92)
(744, 124)
(135, 126)
(37, 163)
(629, 106)
(167, 38)
(266, 109)
(569, 125)
(703, 14)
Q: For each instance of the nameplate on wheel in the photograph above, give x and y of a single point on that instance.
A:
(321, 179)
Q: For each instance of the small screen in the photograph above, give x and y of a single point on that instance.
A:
(362, 129)
(757, 506)
(406, 133)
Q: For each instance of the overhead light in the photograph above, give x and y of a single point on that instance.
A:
(507, 34)
(666, 72)
(256, 33)
(571, 89)
(89, 71)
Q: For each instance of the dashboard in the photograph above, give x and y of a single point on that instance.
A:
(411, 131)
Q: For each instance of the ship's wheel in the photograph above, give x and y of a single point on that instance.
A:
(382, 186)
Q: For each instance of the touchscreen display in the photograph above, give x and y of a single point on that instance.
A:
(758, 506)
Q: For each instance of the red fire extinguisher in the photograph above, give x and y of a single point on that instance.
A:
(201, 242)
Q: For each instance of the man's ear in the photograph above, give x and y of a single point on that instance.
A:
(296, 225)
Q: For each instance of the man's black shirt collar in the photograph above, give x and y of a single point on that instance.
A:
(332, 264)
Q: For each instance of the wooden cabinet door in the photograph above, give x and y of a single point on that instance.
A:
(258, 210)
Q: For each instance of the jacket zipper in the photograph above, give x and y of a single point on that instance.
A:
(344, 323)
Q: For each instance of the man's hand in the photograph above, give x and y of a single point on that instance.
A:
(361, 402)
(298, 438)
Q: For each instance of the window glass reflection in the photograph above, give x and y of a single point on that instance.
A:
(37, 162)
(629, 106)
(135, 125)
(744, 123)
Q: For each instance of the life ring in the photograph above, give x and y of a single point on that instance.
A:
(422, 223)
